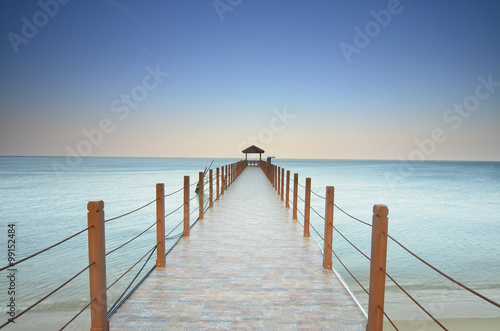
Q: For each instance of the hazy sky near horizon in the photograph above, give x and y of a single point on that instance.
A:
(202, 78)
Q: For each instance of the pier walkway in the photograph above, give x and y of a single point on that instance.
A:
(246, 265)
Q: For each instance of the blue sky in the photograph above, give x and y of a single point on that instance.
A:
(204, 78)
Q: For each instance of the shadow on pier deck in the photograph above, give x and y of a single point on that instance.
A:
(245, 265)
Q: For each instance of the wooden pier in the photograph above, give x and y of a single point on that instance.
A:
(245, 265)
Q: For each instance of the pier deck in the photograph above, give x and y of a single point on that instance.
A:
(246, 265)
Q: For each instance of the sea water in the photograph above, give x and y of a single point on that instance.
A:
(448, 213)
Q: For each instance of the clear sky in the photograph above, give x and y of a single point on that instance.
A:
(299, 78)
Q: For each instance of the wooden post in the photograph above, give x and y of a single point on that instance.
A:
(225, 180)
(307, 208)
(217, 183)
(287, 202)
(275, 176)
(186, 207)
(160, 225)
(377, 268)
(282, 182)
(279, 182)
(295, 194)
(200, 195)
(211, 189)
(327, 256)
(97, 269)
(222, 181)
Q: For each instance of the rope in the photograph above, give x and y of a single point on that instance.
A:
(44, 250)
(301, 185)
(74, 317)
(169, 194)
(316, 194)
(387, 316)
(116, 281)
(316, 231)
(191, 213)
(177, 236)
(130, 212)
(415, 301)
(45, 297)
(354, 218)
(314, 210)
(118, 303)
(352, 244)
(195, 197)
(140, 234)
(174, 210)
(174, 228)
(364, 289)
(443, 274)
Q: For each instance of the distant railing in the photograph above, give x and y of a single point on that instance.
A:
(380, 236)
(253, 163)
(223, 178)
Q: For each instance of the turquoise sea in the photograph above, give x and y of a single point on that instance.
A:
(448, 213)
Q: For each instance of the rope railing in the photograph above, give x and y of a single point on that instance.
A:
(345, 238)
(174, 229)
(314, 210)
(414, 300)
(277, 177)
(340, 233)
(129, 241)
(194, 210)
(119, 302)
(98, 221)
(172, 193)
(316, 194)
(175, 210)
(131, 212)
(128, 270)
(11, 320)
(443, 274)
(354, 218)
(44, 250)
(350, 273)
(388, 318)
(78, 314)
(317, 232)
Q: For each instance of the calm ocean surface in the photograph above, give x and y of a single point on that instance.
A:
(446, 212)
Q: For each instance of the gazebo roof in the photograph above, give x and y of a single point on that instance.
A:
(253, 150)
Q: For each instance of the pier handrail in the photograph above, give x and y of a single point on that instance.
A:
(382, 233)
(44, 250)
(231, 173)
(11, 320)
(234, 170)
(131, 212)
